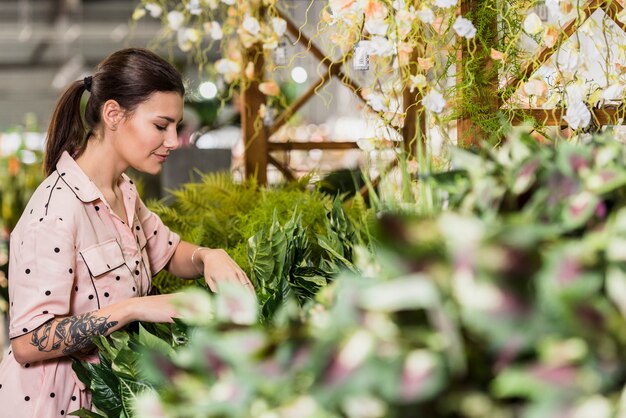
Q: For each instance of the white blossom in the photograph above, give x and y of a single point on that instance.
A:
(380, 46)
(445, 3)
(364, 406)
(577, 115)
(229, 2)
(376, 102)
(279, 25)
(575, 92)
(532, 24)
(434, 101)
(426, 15)
(226, 66)
(463, 27)
(214, 29)
(175, 19)
(251, 25)
(398, 4)
(154, 9)
(194, 7)
(613, 92)
(376, 26)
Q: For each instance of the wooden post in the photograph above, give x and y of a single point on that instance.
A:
(482, 94)
(254, 132)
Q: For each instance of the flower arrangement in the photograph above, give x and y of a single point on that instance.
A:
(394, 45)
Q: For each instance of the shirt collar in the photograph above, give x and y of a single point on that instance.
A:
(76, 179)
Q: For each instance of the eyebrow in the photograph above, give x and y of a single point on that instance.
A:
(170, 120)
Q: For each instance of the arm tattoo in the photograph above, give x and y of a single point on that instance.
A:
(74, 331)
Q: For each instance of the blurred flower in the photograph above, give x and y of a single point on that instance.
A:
(407, 293)
(417, 81)
(229, 2)
(535, 87)
(187, 38)
(434, 101)
(230, 69)
(147, 404)
(376, 26)
(279, 25)
(418, 367)
(373, 9)
(251, 24)
(426, 15)
(338, 7)
(235, 304)
(425, 63)
(445, 3)
(194, 7)
(464, 28)
(214, 30)
(269, 88)
(175, 19)
(355, 349)
(154, 9)
(497, 55)
(577, 115)
(532, 24)
(195, 306)
(550, 36)
(364, 406)
(595, 406)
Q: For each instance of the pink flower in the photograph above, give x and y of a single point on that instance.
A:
(269, 88)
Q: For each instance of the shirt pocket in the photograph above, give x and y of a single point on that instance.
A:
(103, 257)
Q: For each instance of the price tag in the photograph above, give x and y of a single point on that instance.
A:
(360, 57)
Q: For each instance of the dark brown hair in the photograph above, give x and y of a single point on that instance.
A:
(129, 76)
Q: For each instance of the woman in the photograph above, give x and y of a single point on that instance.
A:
(85, 249)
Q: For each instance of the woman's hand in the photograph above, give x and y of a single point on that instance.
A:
(219, 267)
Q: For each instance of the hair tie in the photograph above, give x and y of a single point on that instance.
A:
(87, 83)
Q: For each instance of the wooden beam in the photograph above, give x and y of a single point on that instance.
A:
(281, 167)
(554, 117)
(546, 52)
(253, 130)
(305, 146)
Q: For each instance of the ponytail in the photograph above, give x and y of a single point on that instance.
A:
(67, 129)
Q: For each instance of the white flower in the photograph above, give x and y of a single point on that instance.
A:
(194, 7)
(194, 306)
(380, 46)
(154, 9)
(251, 25)
(356, 349)
(434, 101)
(226, 66)
(279, 25)
(417, 81)
(147, 404)
(212, 4)
(532, 24)
(376, 26)
(234, 303)
(175, 19)
(398, 4)
(376, 102)
(463, 27)
(426, 15)
(214, 30)
(577, 115)
(613, 92)
(575, 92)
(621, 16)
(445, 3)
(229, 2)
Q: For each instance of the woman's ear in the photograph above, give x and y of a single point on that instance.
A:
(112, 114)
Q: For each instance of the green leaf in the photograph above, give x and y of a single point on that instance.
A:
(104, 387)
(151, 341)
(83, 413)
(128, 392)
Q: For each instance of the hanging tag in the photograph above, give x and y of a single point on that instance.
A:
(268, 117)
(280, 54)
(360, 57)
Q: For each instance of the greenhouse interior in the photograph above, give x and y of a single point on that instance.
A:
(313, 208)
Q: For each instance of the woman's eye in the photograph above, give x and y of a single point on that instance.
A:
(161, 128)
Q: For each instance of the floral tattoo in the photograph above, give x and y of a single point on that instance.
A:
(75, 332)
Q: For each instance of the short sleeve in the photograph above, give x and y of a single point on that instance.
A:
(161, 242)
(41, 273)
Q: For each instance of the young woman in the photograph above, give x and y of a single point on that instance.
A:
(86, 247)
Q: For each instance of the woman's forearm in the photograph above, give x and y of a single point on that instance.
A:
(64, 336)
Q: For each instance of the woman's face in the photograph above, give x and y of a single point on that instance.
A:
(148, 135)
